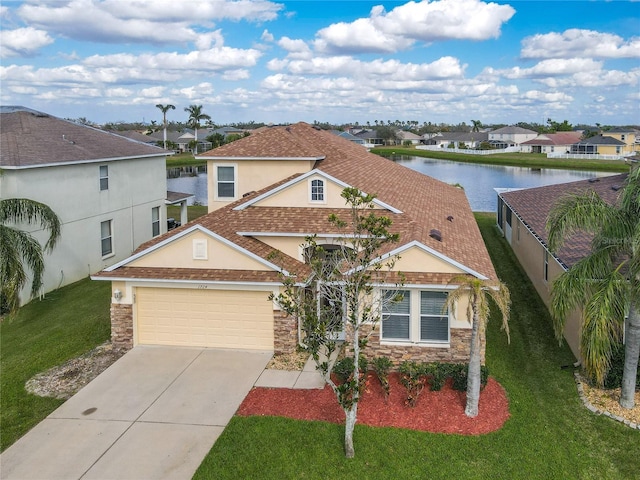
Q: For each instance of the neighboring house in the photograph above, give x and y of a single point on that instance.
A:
(510, 136)
(183, 138)
(405, 136)
(108, 191)
(207, 283)
(466, 139)
(560, 142)
(349, 136)
(370, 137)
(630, 137)
(601, 145)
(137, 136)
(522, 216)
(224, 131)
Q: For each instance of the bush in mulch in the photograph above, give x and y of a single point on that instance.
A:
(435, 411)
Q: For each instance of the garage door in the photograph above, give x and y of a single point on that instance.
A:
(204, 318)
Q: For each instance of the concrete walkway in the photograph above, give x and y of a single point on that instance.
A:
(154, 414)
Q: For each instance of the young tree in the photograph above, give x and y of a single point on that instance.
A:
(195, 116)
(605, 283)
(478, 293)
(19, 249)
(164, 109)
(340, 291)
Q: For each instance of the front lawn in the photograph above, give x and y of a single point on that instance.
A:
(65, 324)
(550, 435)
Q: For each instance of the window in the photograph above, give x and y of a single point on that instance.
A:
(434, 320)
(104, 177)
(226, 177)
(317, 190)
(155, 221)
(396, 315)
(106, 238)
(545, 272)
(415, 316)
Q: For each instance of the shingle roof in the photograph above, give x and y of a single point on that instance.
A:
(425, 203)
(600, 140)
(29, 139)
(561, 138)
(533, 205)
(510, 130)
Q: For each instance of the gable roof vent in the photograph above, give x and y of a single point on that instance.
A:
(450, 218)
(435, 234)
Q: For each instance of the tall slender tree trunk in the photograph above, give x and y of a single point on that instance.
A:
(473, 374)
(196, 145)
(631, 354)
(351, 415)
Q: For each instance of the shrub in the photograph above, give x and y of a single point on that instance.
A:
(459, 374)
(613, 378)
(382, 365)
(412, 376)
(343, 368)
(438, 374)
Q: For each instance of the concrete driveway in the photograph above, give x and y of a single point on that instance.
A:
(154, 414)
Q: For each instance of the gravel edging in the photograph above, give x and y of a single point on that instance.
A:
(596, 410)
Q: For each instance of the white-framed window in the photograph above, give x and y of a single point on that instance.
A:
(226, 181)
(416, 316)
(106, 237)
(155, 221)
(316, 190)
(104, 177)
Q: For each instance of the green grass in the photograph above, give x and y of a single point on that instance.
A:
(531, 160)
(550, 435)
(193, 211)
(44, 333)
(183, 160)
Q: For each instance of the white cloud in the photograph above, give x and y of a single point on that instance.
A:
(157, 22)
(266, 36)
(580, 43)
(295, 47)
(22, 42)
(425, 21)
(553, 67)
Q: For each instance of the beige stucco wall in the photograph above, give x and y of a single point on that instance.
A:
(179, 254)
(530, 254)
(252, 175)
(418, 260)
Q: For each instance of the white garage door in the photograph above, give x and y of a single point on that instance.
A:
(204, 318)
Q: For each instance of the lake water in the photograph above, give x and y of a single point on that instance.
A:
(478, 181)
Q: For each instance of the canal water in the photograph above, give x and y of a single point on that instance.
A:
(477, 180)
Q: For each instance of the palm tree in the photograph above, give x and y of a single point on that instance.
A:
(605, 283)
(477, 125)
(478, 293)
(195, 115)
(19, 248)
(164, 109)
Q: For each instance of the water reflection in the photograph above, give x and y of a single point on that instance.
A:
(190, 179)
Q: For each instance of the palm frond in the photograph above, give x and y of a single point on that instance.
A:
(24, 210)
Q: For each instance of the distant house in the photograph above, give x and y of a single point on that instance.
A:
(629, 136)
(183, 139)
(137, 136)
(510, 136)
(108, 191)
(560, 142)
(370, 137)
(601, 145)
(208, 283)
(349, 136)
(458, 139)
(405, 136)
(522, 216)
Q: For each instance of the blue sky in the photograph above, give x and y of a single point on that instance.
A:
(335, 61)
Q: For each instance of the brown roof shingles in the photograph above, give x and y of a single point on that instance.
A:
(425, 203)
(29, 139)
(533, 205)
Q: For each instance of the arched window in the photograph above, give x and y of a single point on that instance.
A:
(317, 190)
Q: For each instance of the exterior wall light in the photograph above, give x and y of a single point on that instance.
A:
(117, 294)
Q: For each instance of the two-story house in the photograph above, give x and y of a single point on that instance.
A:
(108, 191)
(208, 282)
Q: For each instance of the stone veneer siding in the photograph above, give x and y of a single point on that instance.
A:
(285, 333)
(122, 325)
(458, 352)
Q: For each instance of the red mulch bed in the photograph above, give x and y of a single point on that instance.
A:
(438, 412)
